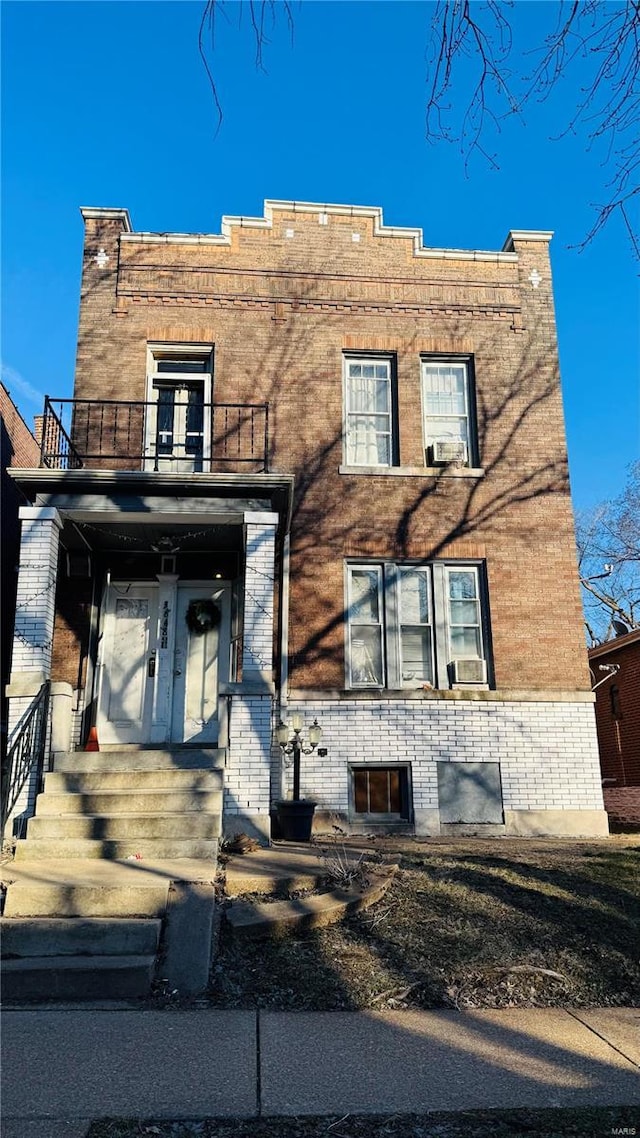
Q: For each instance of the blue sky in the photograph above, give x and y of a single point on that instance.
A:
(107, 104)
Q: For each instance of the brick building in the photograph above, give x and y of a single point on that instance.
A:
(313, 466)
(618, 724)
(18, 448)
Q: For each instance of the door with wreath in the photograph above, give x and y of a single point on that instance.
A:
(201, 661)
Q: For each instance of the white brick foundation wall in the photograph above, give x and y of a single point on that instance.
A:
(547, 753)
(247, 776)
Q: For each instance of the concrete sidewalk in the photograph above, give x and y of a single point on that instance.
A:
(62, 1068)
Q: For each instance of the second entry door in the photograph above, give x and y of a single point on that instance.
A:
(201, 661)
(130, 622)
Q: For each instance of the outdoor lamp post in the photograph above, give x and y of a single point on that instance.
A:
(296, 747)
(295, 816)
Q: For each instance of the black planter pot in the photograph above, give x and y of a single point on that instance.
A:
(295, 819)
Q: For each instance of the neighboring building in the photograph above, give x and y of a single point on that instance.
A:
(18, 448)
(314, 466)
(618, 724)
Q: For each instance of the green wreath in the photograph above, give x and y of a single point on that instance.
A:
(202, 616)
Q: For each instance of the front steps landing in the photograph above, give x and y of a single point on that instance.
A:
(113, 886)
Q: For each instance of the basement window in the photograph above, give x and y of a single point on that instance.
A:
(380, 793)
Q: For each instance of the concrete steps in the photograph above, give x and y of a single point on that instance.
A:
(99, 782)
(130, 802)
(125, 826)
(77, 978)
(44, 848)
(88, 936)
(77, 899)
(94, 762)
(122, 846)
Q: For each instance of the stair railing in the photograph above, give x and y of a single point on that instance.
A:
(25, 754)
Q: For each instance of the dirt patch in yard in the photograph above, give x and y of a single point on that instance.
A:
(580, 1122)
(470, 924)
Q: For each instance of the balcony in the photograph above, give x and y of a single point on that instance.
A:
(180, 436)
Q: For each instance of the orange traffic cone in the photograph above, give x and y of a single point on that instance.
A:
(92, 741)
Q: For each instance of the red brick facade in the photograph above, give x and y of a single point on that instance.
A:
(618, 709)
(22, 448)
(280, 303)
(18, 448)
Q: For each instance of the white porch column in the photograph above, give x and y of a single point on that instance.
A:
(35, 611)
(35, 605)
(259, 584)
(248, 767)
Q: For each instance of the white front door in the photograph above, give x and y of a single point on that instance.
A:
(201, 661)
(127, 659)
(148, 692)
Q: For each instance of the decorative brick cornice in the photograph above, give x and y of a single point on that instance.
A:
(324, 210)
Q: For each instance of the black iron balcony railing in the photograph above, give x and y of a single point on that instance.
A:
(179, 435)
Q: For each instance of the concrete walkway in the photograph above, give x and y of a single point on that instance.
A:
(62, 1068)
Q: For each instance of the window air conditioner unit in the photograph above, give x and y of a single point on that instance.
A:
(449, 450)
(469, 671)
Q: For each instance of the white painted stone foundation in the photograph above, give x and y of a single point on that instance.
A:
(33, 630)
(249, 729)
(547, 752)
(247, 776)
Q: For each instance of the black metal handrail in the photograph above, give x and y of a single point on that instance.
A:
(25, 754)
(134, 435)
(55, 442)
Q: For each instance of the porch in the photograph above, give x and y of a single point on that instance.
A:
(151, 596)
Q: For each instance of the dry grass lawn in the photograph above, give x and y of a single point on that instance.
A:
(471, 924)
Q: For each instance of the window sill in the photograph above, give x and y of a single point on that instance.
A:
(500, 695)
(415, 471)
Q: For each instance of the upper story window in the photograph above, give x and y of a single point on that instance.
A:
(409, 625)
(369, 410)
(178, 421)
(447, 409)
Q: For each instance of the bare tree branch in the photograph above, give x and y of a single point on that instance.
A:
(609, 562)
(603, 38)
(476, 79)
(259, 12)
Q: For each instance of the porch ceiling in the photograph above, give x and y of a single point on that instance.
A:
(98, 496)
(133, 537)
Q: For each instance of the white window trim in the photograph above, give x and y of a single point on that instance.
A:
(429, 439)
(369, 358)
(477, 599)
(390, 601)
(156, 350)
(378, 569)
